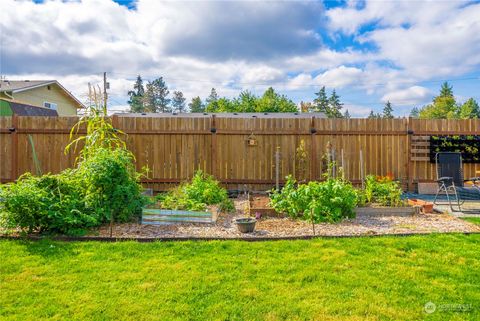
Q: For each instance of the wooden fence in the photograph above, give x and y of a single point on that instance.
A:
(174, 147)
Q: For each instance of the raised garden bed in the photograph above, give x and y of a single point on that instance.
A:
(260, 204)
(157, 216)
(386, 211)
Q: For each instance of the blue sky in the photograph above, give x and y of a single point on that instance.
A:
(368, 51)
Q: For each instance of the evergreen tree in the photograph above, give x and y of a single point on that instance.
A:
(178, 102)
(136, 96)
(415, 112)
(196, 105)
(212, 102)
(156, 97)
(373, 115)
(443, 106)
(334, 106)
(346, 114)
(321, 102)
(446, 90)
(387, 110)
(469, 110)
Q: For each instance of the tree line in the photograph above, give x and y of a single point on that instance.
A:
(153, 97)
(445, 106)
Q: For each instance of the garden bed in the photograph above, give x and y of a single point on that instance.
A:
(277, 227)
(260, 204)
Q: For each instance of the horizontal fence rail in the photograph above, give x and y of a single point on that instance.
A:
(241, 152)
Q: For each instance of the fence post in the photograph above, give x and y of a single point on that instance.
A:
(409, 156)
(213, 147)
(313, 150)
(14, 159)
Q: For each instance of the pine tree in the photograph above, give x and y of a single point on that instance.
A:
(196, 105)
(211, 103)
(373, 115)
(335, 106)
(387, 110)
(346, 114)
(178, 102)
(136, 96)
(321, 102)
(213, 96)
(156, 97)
(415, 112)
(446, 90)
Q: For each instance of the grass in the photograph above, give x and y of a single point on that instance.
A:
(325, 279)
(474, 220)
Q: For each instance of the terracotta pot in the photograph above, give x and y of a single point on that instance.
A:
(427, 207)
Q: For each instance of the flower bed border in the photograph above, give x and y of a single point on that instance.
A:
(246, 238)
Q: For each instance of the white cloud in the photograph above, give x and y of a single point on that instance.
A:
(235, 45)
(409, 96)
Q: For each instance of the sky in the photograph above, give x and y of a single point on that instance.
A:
(368, 51)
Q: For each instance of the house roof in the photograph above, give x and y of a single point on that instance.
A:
(15, 86)
(224, 115)
(24, 109)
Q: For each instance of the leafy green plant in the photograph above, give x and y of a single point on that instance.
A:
(328, 201)
(111, 184)
(383, 190)
(104, 186)
(195, 195)
(50, 203)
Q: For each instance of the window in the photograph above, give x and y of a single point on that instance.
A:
(50, 105)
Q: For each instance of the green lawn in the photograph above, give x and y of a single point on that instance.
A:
(325, 279)
(475, 220)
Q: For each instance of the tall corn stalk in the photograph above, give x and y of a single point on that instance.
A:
(100, 132)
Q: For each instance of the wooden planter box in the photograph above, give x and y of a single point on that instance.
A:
(259, 204)
(157, 216)
(427, 207)
(385, 211)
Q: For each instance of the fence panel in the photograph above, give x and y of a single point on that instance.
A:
(173, 148)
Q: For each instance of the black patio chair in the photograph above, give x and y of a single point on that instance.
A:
(451, 181)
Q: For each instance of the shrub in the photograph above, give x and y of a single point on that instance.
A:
(111, 184)
(203, 190)
(74, 200)
(328, 201)
(383, 190)
(52, 203)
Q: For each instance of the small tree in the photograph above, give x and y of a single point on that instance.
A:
(335, 105)
(469, 110)
(346, 114)
(156, 94)
(320, 103)
(387, 110)
(196, 105)
(415, 112)
(136, 96)
(211, 101)
(178, 102)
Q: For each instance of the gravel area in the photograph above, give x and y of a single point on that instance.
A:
(285, 227)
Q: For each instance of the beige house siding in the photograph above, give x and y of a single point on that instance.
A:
(66, 106)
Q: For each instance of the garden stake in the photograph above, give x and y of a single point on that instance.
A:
(111, 224)
(313, 223)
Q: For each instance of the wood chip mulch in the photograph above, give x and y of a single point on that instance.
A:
(274, 227)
